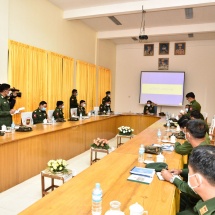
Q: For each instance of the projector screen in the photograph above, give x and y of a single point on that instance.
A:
(162, 88)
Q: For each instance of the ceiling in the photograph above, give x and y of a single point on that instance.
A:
(165, 20)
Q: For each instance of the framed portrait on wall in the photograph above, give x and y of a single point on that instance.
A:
(149, 50)
(180, 48)
(163, 48)
(163, 63)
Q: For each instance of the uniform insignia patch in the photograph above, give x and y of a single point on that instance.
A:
(203, 210)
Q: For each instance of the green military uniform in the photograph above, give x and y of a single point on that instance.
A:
(189, 197)
(194, 105)
(38, 116)
(103, 109)
(81, 110)
(106, 98)
(58, 113)
(5, 116)
(73, 102)
(201, 208)
(148, 109)
(186, 147)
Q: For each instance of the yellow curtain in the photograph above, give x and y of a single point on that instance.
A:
(86, 83)
(91, 92)
(67, 86)
(104, 82)
(55, 79)
(27, 72)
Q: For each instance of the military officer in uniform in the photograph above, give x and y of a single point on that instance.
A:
(81, 108)
(105, 108)
(12, 98)
(195, 134)
(149, 108)
(107, 97)
(5, 111)
(194, 105)
(58, 112)
(40, 113)
(73, 99)
(201, 180)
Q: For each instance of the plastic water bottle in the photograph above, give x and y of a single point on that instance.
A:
(80, 117)
(159, 135)
(168, 125)
(141, 154)
(12, 127)
(53, 120)
(97, 200)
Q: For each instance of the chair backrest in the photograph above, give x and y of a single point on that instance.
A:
(26, 118)
(73, 112)
(96, 110)
(50, 113)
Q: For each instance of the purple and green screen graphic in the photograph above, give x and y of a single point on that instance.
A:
(163, 88)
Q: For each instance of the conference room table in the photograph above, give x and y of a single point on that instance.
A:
(112, 171)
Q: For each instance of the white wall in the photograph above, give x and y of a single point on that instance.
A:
(198, 64)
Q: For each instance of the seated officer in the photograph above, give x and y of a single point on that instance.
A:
(105, 108)
(40, 113)
(107, 97)
(201, 180)
(194, 105)
(195, 134)
(58, 112)
(149, 108)
(81, 108)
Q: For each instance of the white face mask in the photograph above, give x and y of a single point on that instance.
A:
(9, 93)
(107, 104)
(186, 109)
(193, 187)
(83, 105)
(62, 107)
(148, 105)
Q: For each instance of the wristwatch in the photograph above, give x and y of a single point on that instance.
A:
(172, 179)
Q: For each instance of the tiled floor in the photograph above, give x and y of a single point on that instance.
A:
(16, 199)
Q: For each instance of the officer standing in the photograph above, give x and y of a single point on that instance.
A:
(73, 99)
(58, 112)
(5, 111)
(81, 108)
(107, 97)
(40, 113)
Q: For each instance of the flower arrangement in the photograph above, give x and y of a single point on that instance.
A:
(125, 130)
(58, 165)
(100, 143)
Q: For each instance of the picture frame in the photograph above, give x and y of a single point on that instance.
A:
(180, 48)
(163, 48)
(148, 49)
(163, 63)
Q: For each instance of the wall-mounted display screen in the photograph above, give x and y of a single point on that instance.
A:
(162, 88)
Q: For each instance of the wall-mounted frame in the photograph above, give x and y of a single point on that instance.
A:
(180, 48)
(163, 48)
(148, 49)
(163, 63)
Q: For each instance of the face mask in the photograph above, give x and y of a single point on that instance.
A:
(76, 94)
(148, 105)
(83, 105)
(193, 187)
(186, 109)
(9, 93)
(108, 95)
(43, 109)
(107, 104)
(62, 107)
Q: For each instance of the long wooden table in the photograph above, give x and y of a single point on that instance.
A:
(25, 154)
(74, 197)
